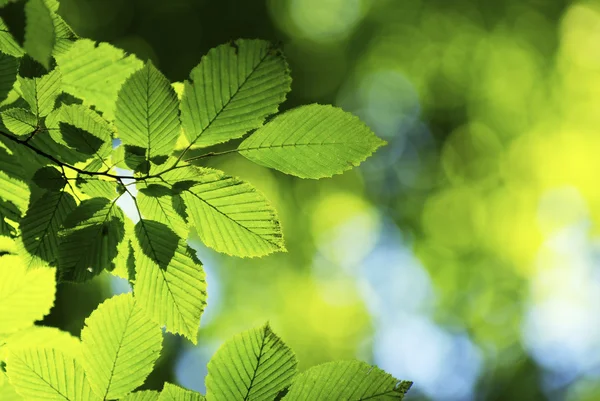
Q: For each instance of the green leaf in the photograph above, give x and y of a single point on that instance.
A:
(6, 230)
(147, 395)
(49, 178)
(39, 31)
(312, 141)
(41, 225)
(160, 203)
(120, 347)
(170, 282)
(83, 130)
(147, 113)
(41, 373)
(41, 93)
(233, 89)
(8, 392)
(19, 121)
(7, 246)
(229, 214)
(9, 66)
(14, 190)
(25, 295)
(65, 36)
(130, 158)
(171, 392)
(89, 239)
(44, 142)
(178, 87)
(95, 73)
(34, 336)
(8, 44)
(97, 188)
(122, 263)
(254, 365)
(346, 380)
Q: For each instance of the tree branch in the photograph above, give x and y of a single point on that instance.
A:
(106, 173)
(61, 164)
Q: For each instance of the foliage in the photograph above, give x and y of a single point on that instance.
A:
(83, 125)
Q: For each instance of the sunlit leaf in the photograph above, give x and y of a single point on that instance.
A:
(229, 214)
(120, 347)
(147, 113)
(89, 239)
(233, 89)
(15, 191)
(8, 44)
(170, 282)
(96, 187)
(254, 365)
(159, 203)
(19, 121)
(40, 227)
(346, 380)
(41, 92)
(25, 295)
(147, 395)
(83, 130)
(171, 392)
(43, 373)
(95, 73)
(311, 141)
(40, 35)
(41, 336)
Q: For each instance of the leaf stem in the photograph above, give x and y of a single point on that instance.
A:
(106, 173)
(211, 154)
(58, 162)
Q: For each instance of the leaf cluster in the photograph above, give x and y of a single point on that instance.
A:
(119, 347)
(82, 125)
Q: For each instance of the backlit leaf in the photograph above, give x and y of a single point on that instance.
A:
(147, 113)
(346, 380)
(89, 239)
(254, 365)
(233, 89)
(229, 214)
(40, 227)
(43, 373)
(19, 121)
(170, 282)
(95, 73)
(26, 295)
(120, 347)
(171, 392)
(311, 141)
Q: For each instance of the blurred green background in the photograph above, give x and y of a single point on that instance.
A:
(464, 255)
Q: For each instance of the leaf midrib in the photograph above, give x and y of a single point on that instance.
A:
(260, 354)
(233, 95)
(155, 260)
(233, 220)
(44, 380)
(110, 378)
(45, 233)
